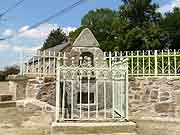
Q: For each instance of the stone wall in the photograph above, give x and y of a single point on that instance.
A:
(158, 126)
(34, 85)
(17, 86)
(42, 89)
(38, 88)
(148, 97)
(154, 97)
(47, 93)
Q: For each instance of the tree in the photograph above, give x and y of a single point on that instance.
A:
(144, 32)
(136, 25)
(2, 76)
(105, 24)
(11, 70)
(56, 37)
(171, 24)
(140, 12)
(156, 38)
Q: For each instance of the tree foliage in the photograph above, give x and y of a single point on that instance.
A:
(140, 11)
(11, 70)
(2, 76)
(136, 25)
(56, 37)
(106, 25)
(171, 24)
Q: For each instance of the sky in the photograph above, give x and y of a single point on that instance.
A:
(33, 11)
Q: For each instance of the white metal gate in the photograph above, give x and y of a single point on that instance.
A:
(120, 89)
(86, 91)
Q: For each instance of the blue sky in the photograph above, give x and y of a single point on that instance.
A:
(33, 11)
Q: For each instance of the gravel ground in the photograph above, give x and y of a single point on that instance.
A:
(15, 122)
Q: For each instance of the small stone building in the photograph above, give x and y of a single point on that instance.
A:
(86, 53)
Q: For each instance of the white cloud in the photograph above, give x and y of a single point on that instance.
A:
(43, 30)
(8, 32)
(40, 32)
(25, 49)
(17, 48)
(169, 6)
(67, 30)
(4, 46)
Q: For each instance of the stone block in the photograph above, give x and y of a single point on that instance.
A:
(137, 97)
(49, 79)
(147, 92)
(162, 107)
(154, 94)
(94, 128)
(30, 107)
(164, 98)
(165, 94)
(177, 95)
(165, 107)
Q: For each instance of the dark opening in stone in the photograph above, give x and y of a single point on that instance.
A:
(85, 98)
(6, 98)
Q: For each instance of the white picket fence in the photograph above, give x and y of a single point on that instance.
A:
(140, 63)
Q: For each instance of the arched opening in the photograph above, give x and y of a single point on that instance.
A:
(85, 56)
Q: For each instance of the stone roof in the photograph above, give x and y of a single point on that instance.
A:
(85, 39)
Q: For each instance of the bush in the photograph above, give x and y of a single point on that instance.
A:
(2, 76)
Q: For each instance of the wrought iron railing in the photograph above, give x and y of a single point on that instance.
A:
(140, 63)
(91, 91)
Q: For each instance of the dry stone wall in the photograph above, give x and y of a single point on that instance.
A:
(42, 89)
(154, 97)
(148, 97)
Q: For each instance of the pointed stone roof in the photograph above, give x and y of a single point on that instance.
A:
(85, 39)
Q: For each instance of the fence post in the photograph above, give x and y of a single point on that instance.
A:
(175, 64)
(156, 63)
(58, 90)
(127, 91)
(21, 63)
(137, 63)
(110, 62)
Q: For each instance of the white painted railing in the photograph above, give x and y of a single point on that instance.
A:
(151, 62)
(39, 64)
(91, 91)
(140, 63)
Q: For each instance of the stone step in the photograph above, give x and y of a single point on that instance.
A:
(109, 128)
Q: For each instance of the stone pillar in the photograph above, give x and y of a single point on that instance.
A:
(17, 85)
